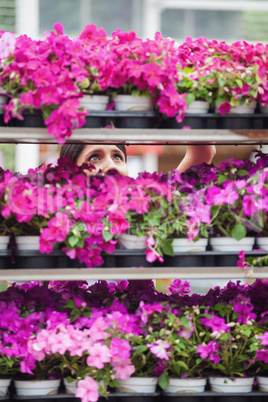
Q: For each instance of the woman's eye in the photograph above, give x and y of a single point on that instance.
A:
(118, 157)
(93, 158)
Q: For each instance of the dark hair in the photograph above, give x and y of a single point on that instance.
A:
(72, 151)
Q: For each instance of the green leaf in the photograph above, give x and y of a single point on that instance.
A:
(107, 235)
(141, 348)
(189, 98)
(239, 83)
(242, 172)
(180, 364)
(73, 240)
(221, 82)
(163, 380)
(80, 244)
(135, 92)
(167, 248)
(239, 231)
(221, 179)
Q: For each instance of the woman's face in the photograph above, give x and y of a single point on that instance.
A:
(106, 158)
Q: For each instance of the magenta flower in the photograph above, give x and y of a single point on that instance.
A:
(217, 324)
(210, 350)
(244, 309)
(224, 108)
(264, 338)
(179, 287)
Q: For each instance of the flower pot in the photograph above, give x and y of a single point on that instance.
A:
(3, 101)
(128, 241)
(264, 109)
(36, 387)
(138, 384)
(233, 385)
(4, 242)
(183, 244)
(94, 102)
(198, 107)
(244, 109)
(262, 383)
(4, 384)
(70, 387)
(185, 385)
(30, 243)
(132, 103)
(262, 242)
(231, 244)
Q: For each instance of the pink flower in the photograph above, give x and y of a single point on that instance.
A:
(98, 355)
(7, 44)
(120, 348)
(87, 390)
(159, 349)
(123, 368)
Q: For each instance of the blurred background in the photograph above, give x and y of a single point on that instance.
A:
(228, 20)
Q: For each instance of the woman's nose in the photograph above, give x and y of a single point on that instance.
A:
(109, 167)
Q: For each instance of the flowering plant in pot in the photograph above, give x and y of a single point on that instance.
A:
(197, 87)
(180, 335)
(143, 209)
(30, 84)
(224, 325)
(145, 68)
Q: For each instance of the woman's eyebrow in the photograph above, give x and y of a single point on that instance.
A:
(93, 151)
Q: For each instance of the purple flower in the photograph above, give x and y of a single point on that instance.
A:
(180, 287)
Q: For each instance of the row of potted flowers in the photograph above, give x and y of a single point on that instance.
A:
(100, 336)
(54, 74)
(86, 215)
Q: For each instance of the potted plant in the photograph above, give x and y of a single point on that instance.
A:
(229, 359)
(183, 367)
(8, 369)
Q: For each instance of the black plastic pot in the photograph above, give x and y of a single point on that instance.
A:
(31, 119)
(185, 260)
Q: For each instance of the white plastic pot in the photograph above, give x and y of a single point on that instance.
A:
(94, 102)
(198, 107)
(70, 387)
(262, 383)
(4, 384)
(4, 242)
(132, 103)
(244, 109)
(36, 387)
(234, 385)
(262, 242)
(186, 385)
(130, 242)
(3, 101)
(27, 242)
(231, 244)
(184, 245)
(138, 384)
